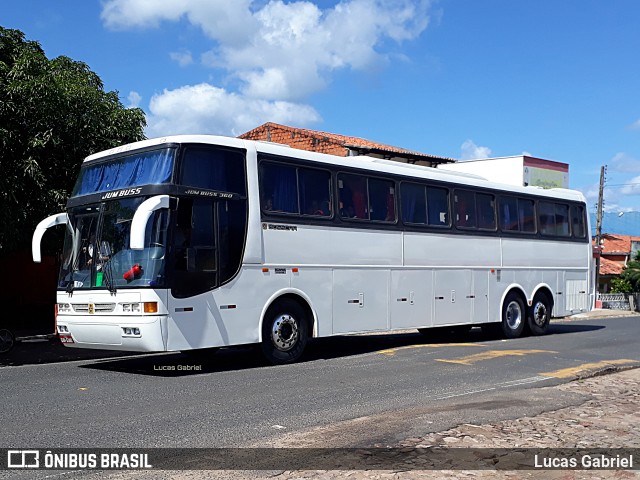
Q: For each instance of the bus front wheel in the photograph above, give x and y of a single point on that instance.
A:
(540, 314)
(7, 340)
(513, 316)
(284, 332)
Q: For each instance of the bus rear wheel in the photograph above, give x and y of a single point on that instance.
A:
(284, 332)
(540, 314)
(513, 316)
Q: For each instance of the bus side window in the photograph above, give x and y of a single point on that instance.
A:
(382, 200)
(353, 196)
(414, 203)
(278, 187)
(546, 218)
(577, 221)
(465, 209)
(485, 205)
(508, 214)
(315, 192)
(562, 220)
(438, 206)
(527, 215)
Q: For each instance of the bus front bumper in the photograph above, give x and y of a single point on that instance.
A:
(137, 334)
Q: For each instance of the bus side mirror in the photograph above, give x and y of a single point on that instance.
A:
(53, 220)
(142, 216)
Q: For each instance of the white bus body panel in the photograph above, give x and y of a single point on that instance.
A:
(103, 329)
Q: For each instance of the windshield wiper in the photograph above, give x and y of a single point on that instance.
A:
(108, 277)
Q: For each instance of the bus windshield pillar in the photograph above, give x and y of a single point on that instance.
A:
(142, 216)
(53, 220)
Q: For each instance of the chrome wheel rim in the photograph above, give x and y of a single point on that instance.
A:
(285, 333)
(540, 314)
(513, 315)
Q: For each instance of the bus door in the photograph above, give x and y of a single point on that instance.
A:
(206, 250)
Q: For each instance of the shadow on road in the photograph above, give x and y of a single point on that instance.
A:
(248, 357)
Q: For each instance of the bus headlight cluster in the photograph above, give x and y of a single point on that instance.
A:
(63, 329)
(64, 308)
(131, 332)
(131, 307)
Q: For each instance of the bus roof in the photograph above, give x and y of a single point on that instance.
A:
(364, 162)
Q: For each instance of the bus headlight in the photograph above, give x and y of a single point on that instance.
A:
(131, 308)
(64, 308)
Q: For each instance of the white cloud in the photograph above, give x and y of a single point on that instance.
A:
(134, 99)
(622, 162)
(183, 58)
(631, 187)
(204, 108)
(283, 51)
(471, 151)
(635, 125)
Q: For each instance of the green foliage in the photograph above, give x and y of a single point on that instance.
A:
(620, 285)
(53, 113)
(631, 274)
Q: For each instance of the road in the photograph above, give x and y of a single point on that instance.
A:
(403, 381)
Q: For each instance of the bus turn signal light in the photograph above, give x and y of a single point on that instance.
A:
(150, 307)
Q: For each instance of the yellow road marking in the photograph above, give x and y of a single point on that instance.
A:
(491, 354)
(585, 367)
(392, 351)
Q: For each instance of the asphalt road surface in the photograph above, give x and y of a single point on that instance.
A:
(405, 381)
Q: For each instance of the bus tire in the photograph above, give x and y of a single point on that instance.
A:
(7, 340)
(284, 332)
(513, 316)
(540, 314)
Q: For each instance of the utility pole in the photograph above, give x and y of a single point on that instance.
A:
(603, 170)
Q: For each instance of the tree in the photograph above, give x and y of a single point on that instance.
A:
(631, 274)
(53, 113)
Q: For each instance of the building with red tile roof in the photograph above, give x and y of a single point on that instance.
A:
(616, 252)
(334, 144)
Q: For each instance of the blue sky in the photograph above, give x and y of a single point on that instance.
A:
(558, 80)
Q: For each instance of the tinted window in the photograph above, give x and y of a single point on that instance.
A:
(154, 167)
(425, 205)
(577, 221)
(517, 215)
(297, 190)
(465, 208)
(485, 206)
(382, 200)
(438, 206)
(508, 212)
(414, 203)
(353, 196)
(366, 198)
(553, 219)
(278, 185)
(194, 255)
(213, 169)
(315, 192)
(527, 215)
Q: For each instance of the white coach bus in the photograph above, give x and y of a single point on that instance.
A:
(195, 242)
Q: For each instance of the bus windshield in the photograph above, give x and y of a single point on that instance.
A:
(96, 248)
(141, 168)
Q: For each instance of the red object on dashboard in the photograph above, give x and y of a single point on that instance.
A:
(133, 273)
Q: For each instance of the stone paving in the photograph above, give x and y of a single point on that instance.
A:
(610, 419)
